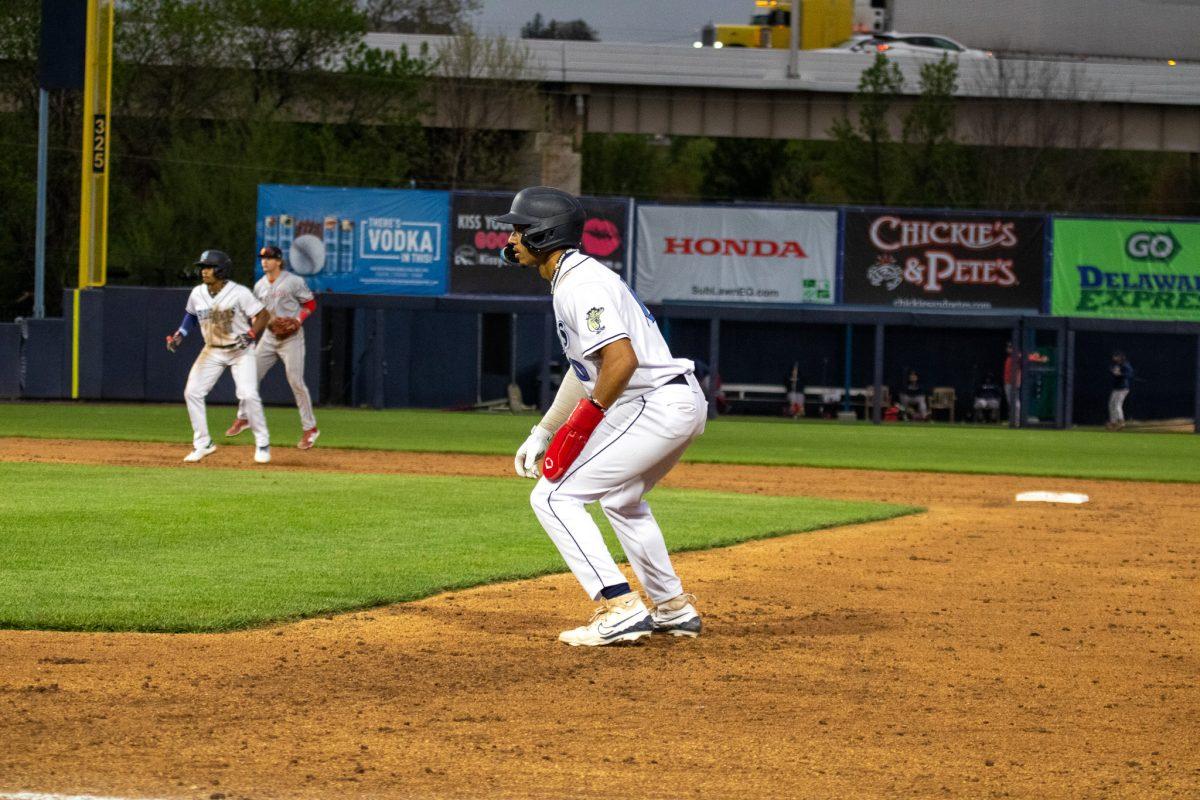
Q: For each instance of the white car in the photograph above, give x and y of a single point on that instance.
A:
(900, 45)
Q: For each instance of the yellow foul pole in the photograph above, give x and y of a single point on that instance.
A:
(97, 134)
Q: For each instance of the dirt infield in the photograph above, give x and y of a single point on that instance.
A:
(982, 649)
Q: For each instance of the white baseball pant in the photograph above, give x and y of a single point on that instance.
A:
(209, 365)
(1116, 406)
(291, 352)
(635, 445)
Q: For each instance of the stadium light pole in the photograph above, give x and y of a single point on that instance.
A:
(39, 252)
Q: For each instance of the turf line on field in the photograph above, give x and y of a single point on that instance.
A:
(914, 447)
(53, 796)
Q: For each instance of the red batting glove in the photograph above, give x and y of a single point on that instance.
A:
(571, 438)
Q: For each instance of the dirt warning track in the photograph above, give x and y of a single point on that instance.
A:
(982, 649)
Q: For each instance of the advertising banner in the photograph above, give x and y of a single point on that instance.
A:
(359, 241)
(914, 259)
(741, 255)
(1126, 269)
(476, 239)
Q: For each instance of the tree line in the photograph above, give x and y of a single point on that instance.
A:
(210, 98)
(213, 97)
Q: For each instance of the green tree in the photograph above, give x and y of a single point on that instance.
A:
(20, 26)
(420, 16)
(246, 92)
(623, 163)
(865, 159)
(575, 29)
(481, 92)
(929, 137)
(210, 98)
(743, 168)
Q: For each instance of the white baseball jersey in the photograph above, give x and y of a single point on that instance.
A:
(593, 307)
(224, 317)
(285, 296)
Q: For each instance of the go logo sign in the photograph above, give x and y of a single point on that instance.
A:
(1152, 246)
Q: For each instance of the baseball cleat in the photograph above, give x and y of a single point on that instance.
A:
(677, 617)
(308, 439)
(237, 427)
(622, 619)
(201, 452)
(262, 455)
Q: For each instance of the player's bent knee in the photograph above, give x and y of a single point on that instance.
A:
(539, 498)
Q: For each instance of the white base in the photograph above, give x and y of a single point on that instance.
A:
(1052, 497)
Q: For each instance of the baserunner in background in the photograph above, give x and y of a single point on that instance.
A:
(290, 302)
(231, 320)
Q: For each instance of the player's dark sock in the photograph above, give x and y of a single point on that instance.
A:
(609, 592)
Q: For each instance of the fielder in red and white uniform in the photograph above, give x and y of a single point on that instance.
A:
(624, 414)
(286, 296)
(230, 320)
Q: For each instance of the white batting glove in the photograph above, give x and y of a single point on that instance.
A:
(530, 453)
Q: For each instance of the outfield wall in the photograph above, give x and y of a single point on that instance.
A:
(385, 352)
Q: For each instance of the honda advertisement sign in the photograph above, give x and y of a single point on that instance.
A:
(913, 259)
(737, 255)
(361, 241)
(476, 240)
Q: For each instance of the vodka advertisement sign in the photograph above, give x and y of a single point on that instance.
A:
(359, 241)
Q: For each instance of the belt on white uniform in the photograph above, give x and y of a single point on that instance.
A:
(681, 378)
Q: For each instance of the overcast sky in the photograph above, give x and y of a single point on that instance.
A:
(655, 21)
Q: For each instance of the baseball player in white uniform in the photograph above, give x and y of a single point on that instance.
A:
(623, 416)
(290, 302)
(231, 320)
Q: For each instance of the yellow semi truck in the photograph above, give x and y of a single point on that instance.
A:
(823, 23)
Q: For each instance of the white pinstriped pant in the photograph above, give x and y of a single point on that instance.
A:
(635, 445)
(208, 367)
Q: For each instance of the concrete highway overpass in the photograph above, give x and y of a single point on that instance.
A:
(682, 91)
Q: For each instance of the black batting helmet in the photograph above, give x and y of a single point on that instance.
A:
(219, 260)
(553, 219)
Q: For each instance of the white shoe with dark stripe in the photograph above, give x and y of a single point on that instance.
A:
(201, 452)
(622, 619)
(677, 617)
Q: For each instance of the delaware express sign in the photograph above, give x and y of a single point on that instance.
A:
(1126, 269)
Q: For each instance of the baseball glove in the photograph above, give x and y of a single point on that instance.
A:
(284, 327)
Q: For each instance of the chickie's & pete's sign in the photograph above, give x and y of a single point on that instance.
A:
(932, 260)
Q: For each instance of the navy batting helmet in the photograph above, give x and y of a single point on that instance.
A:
(219, 260)
(552, 219)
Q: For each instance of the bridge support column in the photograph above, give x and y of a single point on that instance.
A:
(550, 159)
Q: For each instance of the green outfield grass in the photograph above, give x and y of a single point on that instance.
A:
(112, 548)
(919, 447)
